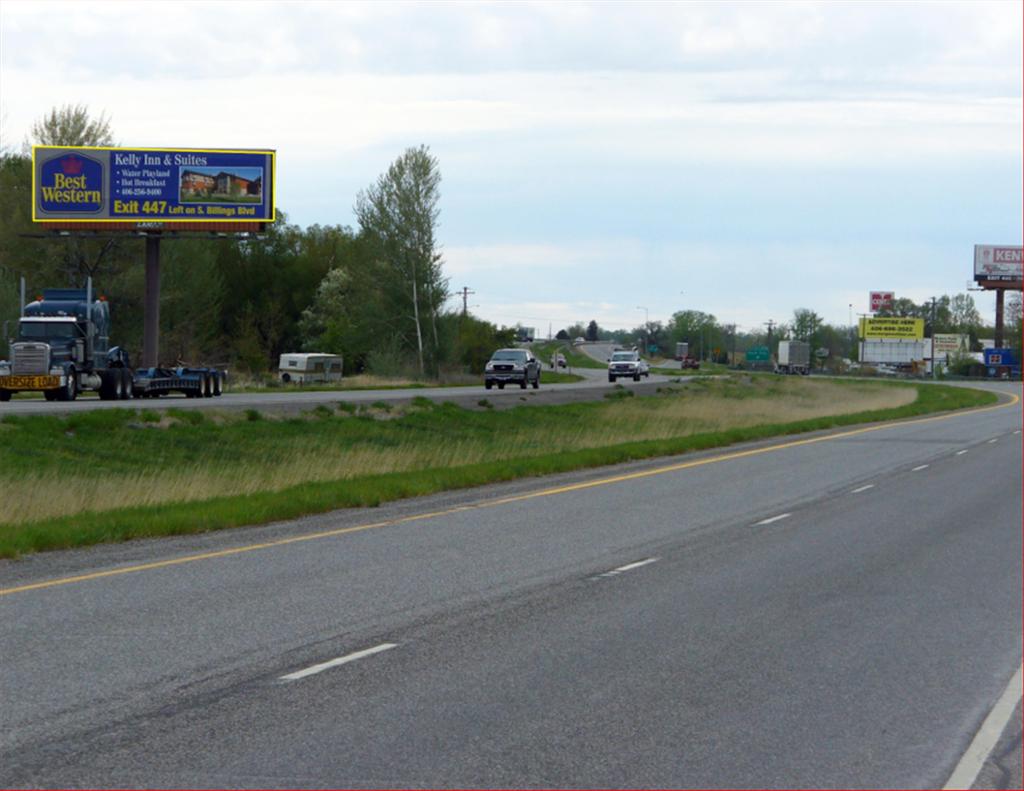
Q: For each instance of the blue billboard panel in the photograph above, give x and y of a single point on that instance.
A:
(151, 185)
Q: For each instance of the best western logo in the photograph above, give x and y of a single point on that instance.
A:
(71, 183)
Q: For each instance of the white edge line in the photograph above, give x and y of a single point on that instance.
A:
(638, 564)
(863, 489)
(961, 452)
(341, 660)
(920, 467)
(988, 734)
(772, 519)
(993, 441)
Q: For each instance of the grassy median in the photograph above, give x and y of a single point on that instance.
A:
(113, 475)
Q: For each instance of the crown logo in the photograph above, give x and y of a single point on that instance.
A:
(71, 165)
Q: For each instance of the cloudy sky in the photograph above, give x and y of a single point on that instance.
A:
(744, 159)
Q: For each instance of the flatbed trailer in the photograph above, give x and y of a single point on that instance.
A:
(192, 382)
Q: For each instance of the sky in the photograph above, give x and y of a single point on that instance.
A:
(616, 162)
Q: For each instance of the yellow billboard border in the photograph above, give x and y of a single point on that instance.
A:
(273, 185)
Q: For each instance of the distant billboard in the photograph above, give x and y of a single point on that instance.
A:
(152, 185)
(949, 343)
(881, 300)
(998, 264)
(895, 327)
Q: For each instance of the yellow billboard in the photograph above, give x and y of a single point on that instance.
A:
(892, 327)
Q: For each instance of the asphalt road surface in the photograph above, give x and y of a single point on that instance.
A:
(594, 380)
(839, 609)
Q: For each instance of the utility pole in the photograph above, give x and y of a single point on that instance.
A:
(465, 299)
(770, 323)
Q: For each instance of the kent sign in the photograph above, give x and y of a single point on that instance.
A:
(160, 185)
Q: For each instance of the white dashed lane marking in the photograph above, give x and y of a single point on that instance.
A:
(860, 489)
(772, 519)
(920, 467)
(341, 660)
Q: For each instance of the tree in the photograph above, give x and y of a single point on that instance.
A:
(400, 211)
(592, 331)
(964, 314)
(71, 125)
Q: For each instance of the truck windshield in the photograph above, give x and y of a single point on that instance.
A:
(624, 357)
(46, 330)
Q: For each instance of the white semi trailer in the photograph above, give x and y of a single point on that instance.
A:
(794, 358)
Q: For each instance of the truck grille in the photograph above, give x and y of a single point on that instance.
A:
(30, 358)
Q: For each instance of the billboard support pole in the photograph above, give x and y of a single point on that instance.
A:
(151, 305)
(999, 317)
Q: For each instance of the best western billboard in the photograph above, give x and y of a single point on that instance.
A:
(82, 184)
(892, 328)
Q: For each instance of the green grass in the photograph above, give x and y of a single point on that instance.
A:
(430, 448)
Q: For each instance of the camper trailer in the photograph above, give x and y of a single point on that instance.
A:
(310, 368)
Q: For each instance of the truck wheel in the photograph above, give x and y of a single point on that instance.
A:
(611, 378)
(127, 381)
(522, 384)
(501, 385)
(108, 387)
(5, 395)
(536, 382)
(70, 391)
(488, 384)
(216, 384)
(636, 377)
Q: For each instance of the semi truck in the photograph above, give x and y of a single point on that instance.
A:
(794, 357)
(63, 348)
(685, 358)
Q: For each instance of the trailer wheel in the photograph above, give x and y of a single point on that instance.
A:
(216, 384)
(50, 395)
(128, 381)
(5, 395)
(207, 386)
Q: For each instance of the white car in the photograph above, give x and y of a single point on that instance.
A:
(627, 363)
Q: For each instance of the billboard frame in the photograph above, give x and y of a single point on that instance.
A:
(160, 222)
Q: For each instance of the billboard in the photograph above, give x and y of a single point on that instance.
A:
(881, 300)
(163, 185)
(998, 263)
(894, 327)
(949, 343)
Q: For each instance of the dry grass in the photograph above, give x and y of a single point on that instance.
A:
(307, 456)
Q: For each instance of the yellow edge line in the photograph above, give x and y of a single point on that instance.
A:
(489, 503)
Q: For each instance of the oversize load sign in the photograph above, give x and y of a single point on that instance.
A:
(992, 262)
(82, 184)
(881, 300)
(892, 328)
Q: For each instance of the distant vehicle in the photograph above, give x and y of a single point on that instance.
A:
(525, 334)
(686, 360)
(627, 363)
(512, 365)
(309, 368)
(578, 341)
(560, 361)
(794, 358)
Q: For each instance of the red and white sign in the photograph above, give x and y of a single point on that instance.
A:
(881, 300)
(1004, 264)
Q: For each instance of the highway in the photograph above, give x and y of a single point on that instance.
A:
(840, 609)
(297, 399)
